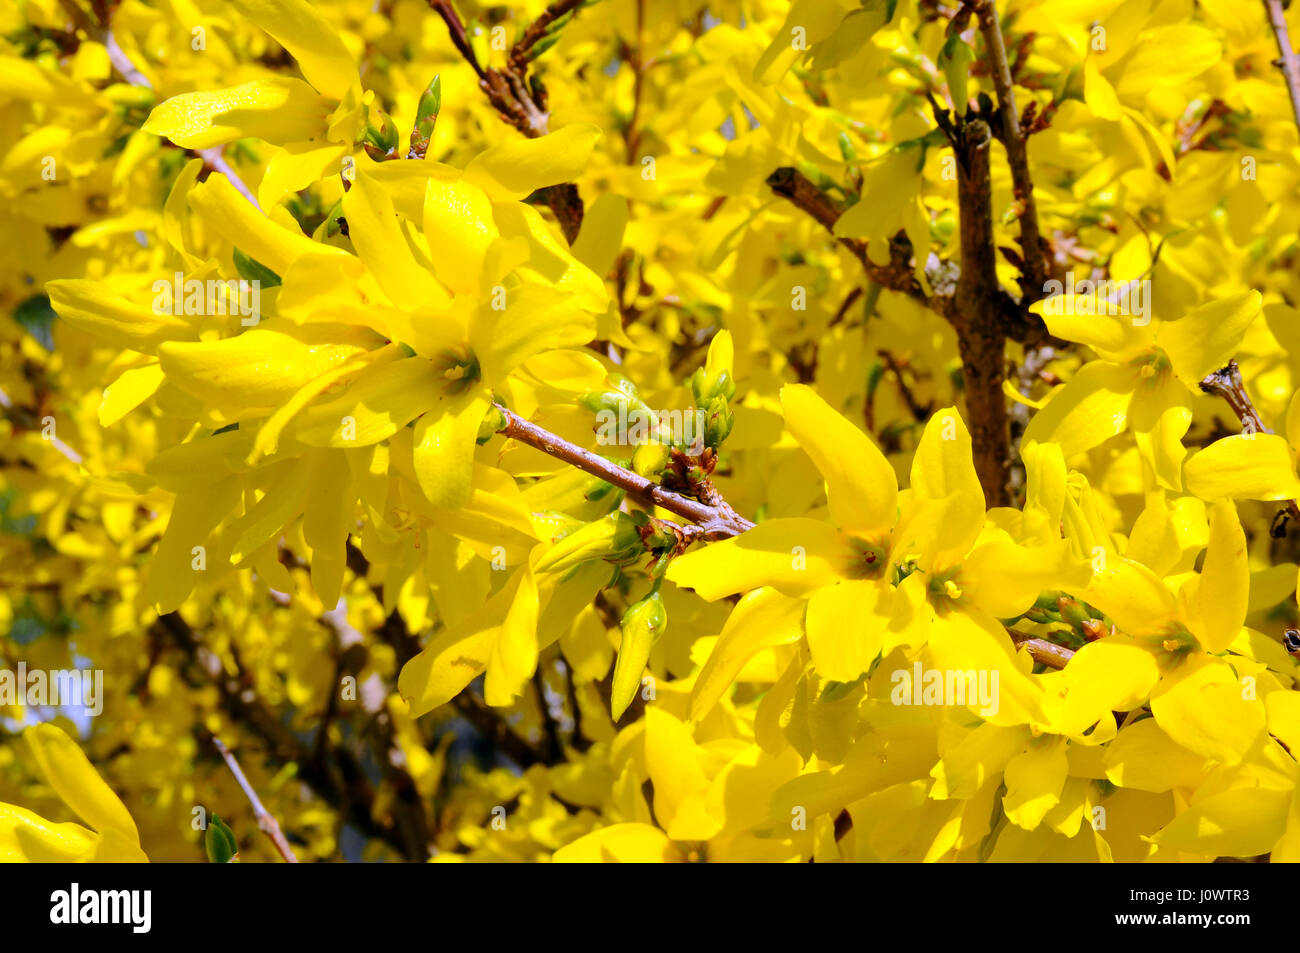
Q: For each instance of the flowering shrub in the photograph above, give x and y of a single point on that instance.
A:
(640, 431)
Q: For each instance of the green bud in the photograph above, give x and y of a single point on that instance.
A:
(1072, 611)
(614, 537)
(955, 59)
(492, 421)
(542, 45)
(426, 118)
(380, 141)
(642, 625)
(718, 421)
(219, 842)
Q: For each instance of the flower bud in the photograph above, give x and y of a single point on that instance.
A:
(614, 537)
(642, 625)
(715, 378)
(718, 421)
(426, 118)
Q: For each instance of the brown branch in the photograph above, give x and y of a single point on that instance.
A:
(341, 781)
(265, 819)
(793, 185)
(485, 720)
(977, 316)
(1034, 274)
(520, 99)
(1048, 653)
(1290, 62)
(1226, 382)
(717, 522)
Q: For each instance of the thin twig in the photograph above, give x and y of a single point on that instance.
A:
(717, 522)
(793, 185)
(1226, 382)
(521, 99)
(102, 33)
(265, 819)
(1290, 62)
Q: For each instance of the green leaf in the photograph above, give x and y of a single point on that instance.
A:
(37, 318)
(250, 269)
(219, 842)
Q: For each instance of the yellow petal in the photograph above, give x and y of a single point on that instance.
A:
(1144, 757)
(26, 837)
(846, 627)
(760, 620)
(793, 555)
(1204, 340)
(263, 367)
(1131, 594)
(516, 168)
(1243, 822)
(1201, 706)
(444, 446)
(459, 227)
(321, 54)
(861, 487)
(514, 657)
(1224, 590)
(946, 510)
(1034, 780)
(1256, 466)
(132, 388)
(71, 774)
(277, 109)
(92, 306)
(175, 569)
(1004, 578)
(633, 843)
(533, 319)
(601, 237)
(382, 400)
(232, 217)
(377, 236)
(1087, 411)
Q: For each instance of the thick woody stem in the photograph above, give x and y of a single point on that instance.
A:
(1290, 62)
(977, 316)
(717, 522)
(265, 819)
(1034, 276)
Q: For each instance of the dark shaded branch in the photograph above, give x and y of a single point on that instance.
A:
(977, 315)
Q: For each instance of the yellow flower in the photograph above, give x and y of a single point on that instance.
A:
(111, 835)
